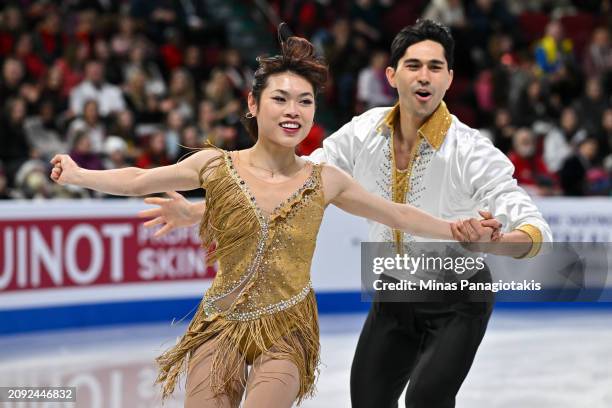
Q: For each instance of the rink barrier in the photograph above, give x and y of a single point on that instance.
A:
(181, 310)
(90, 262)
(140, 312)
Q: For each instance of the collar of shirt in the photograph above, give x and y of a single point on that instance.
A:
(433, 130)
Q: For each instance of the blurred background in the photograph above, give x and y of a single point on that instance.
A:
(119, 83)
(87, 294)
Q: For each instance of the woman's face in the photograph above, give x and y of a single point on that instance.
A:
(179, 81)
(286, 109)
(606, 120)
(126, 26)
(502, 118)
(534, 90)
(54, 80)
(90, 112)
(138, 54)
(137, 81)
(83, 144)
(568, 119)
(24, 45)
(18, 111)
(157, 144)
(175, 120)
(47, 112)
(125, 119)
(190, 137)
(82, 52)
(207, 112)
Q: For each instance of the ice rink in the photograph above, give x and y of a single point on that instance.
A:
(529, 359)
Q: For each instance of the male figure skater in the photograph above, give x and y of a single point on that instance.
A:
(417, 152)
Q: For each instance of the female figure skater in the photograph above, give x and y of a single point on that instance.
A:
(264, 208)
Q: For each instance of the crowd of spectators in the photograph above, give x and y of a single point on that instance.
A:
(145, 82)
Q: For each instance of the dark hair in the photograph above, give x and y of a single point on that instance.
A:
(422, 30)
(297, 56)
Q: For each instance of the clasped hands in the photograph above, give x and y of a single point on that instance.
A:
(472, 233)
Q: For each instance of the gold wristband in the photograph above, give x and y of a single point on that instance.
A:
(536, 239)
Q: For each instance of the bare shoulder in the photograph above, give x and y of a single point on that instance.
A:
(209, 154)
(335, 180)
(203, 161)
(204, 155)
(332, 174)
(331, 171)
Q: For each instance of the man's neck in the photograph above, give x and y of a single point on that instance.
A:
(409, 127)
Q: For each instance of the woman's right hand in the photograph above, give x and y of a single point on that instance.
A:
(171, 213)
(65, 170)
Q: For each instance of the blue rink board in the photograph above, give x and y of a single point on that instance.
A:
(101, 314)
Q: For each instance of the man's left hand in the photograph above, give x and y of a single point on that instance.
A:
(477, 231)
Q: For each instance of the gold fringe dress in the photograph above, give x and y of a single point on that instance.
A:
(262, 298)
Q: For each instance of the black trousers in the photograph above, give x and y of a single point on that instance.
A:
(430, 344)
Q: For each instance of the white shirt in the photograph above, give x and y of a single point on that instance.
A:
(465, 174)
(109, 98)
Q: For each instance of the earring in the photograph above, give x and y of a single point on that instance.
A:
(249, 115)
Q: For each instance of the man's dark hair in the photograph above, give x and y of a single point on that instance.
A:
(422, 30)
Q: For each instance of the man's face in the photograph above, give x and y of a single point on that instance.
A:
(588, 149)
(593, 90)
(606, 120)
(421, 78)
(12, 71)
(95, 72)
(569, 119)
(523, 142)
(555, 30)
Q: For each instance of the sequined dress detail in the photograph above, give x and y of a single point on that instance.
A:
(261, 298)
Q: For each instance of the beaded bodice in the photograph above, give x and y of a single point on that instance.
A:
(264, 258)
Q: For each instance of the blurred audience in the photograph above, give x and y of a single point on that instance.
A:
(14, 146)
(373, 89)
(91, 123)
(554, 51)
(155, 153)
(574, 181)
(529, 168)
(146, 82)
(94, 87)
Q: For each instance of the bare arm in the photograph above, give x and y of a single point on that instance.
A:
(520, 244)
(133, 181)
(172, 212)
(345, 193)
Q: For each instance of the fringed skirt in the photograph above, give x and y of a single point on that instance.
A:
(291, 334)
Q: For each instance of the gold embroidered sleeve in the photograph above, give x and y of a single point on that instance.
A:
(536, 239)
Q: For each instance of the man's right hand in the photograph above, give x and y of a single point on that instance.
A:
(173, 212)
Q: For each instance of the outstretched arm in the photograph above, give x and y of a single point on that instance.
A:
(344, 192)
(339, 149)
(172, 212)
(133, 181)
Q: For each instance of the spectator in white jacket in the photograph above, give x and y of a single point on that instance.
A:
(94, 86)
(373, 90)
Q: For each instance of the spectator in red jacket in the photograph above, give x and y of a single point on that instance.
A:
(155, 155)
(529, 167)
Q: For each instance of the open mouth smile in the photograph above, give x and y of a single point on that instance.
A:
(290, 127)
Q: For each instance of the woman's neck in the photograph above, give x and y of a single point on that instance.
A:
(272, 157)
